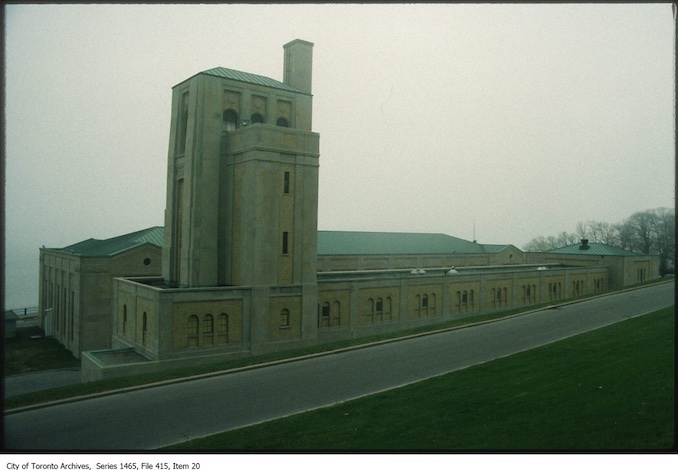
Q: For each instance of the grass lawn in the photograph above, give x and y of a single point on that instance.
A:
(23, 354)
(609, 389)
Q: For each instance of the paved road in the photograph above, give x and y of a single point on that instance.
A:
(156, 417)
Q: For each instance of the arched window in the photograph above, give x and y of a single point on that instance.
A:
(379, 309)
(124, 319)
(505, 297)
(223, 327)
(208, 324)
(471, 299)
(208, 329)
(192, 325)
(284, 318)
(282, 122)
(257, 118)
(326, 310)
(560, 290)
(230, 120)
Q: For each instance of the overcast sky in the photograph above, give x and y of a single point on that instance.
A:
(523, 118)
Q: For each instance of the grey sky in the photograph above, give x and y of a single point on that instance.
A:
(524, 118)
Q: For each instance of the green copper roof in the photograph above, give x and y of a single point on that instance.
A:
(495, 248)
(113, 246)
(331, 243)
(599, 249)
(251, 78)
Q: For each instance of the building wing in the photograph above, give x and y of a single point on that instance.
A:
(600, 249)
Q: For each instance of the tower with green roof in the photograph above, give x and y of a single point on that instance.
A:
(242, 182)
(242, 189)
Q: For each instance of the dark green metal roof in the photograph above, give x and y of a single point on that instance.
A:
(600, 249)
(251, 78)
(495, 248)
(113, 246)
(331, 243)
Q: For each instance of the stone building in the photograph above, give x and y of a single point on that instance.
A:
(245, 270)
(625, 267)
(76, 285)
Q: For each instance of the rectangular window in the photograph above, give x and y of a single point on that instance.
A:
(286, 183)
(285, 243)
(183, 125)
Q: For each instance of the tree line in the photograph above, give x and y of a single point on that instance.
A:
(649, 232)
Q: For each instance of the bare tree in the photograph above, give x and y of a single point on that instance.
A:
(601, 232)
(650, 231)
(548, 243)
(566, 239)
(643, 224)
(664, 228)
(624, 235)
(582, 230)
(537, 244)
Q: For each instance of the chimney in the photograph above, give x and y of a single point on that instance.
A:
(298, 64)
(584, 244)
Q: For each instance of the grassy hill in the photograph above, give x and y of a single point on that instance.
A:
(609, 389)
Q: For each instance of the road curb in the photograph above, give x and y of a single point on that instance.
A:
(308, 356)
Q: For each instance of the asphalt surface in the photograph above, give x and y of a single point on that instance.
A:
(160, 416)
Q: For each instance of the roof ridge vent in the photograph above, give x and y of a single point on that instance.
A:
(584, 244)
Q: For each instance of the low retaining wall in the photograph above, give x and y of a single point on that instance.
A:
(114, 363)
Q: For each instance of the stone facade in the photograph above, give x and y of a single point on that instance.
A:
(242, 273)
(76, 290)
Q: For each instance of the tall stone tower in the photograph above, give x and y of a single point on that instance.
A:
(242, 184)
